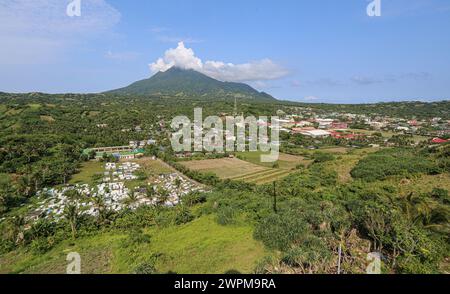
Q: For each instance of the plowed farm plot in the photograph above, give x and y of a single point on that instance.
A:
(238, 170)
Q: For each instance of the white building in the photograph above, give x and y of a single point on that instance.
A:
(316, 133)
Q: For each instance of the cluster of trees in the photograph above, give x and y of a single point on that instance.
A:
(395, 162)
(313, 217)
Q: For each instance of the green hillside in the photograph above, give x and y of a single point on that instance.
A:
(190, 83)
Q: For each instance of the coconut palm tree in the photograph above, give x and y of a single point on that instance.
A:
(177, 183)
(150, 193)
(17, 228)
(99, 205)
(71, 213)
(163, 196)
(73, 194)
(131, 199)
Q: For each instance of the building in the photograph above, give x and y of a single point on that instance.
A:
(119, 152)
(439, 141)
(338, 135)
(325, 123)
(339, 126)
(316, 133)
(303, 124)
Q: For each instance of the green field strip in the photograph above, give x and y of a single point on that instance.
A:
(273, 173)
(261, 172)
(269, 178)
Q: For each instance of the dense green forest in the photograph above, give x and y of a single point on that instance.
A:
(396, 200)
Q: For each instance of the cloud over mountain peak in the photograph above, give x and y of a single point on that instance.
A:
(185, 58)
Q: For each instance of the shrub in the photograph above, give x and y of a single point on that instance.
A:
(225, 215)
(183, 215)
(322, 157)
(280, 231)
(194, 198)
(41, 245)
(146, 268)
(136, 237)
(392, 162)
(312, 255)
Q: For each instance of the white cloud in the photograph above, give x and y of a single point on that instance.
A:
(38, 30)
(185, 58)
(121, 56)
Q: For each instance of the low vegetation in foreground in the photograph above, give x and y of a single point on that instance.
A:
(380, 193)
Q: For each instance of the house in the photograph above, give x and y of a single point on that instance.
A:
(316, 133)
(439, 141)
(339, 126)
(285, 123)
(338, 135)
(300, 130)
(324, 123)
(303, 123)
(401, 128)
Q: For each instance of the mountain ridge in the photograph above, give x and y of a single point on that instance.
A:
(180, 82)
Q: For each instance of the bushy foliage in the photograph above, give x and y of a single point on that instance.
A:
(226, 215)
(183, 215)
(393, 162)
(136, 237)
(322, 157)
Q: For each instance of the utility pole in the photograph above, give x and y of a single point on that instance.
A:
(339, 260)
(275, 198)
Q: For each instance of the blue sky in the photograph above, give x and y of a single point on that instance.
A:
(314, 51)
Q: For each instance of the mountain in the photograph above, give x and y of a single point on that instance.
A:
(190, 83)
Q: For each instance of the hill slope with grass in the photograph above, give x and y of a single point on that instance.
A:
(189, 83)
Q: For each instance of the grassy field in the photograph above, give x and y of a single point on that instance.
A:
(335, 150)
(199, 247)
(285, 161)
(345, 160)
(224, 168)
(151, 169)
(87, 171)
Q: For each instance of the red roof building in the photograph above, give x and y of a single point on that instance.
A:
(439, 141)
(338, 135)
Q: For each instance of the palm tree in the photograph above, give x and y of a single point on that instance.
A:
(163, 196)
(177, 182)
(73, 194)
(418, 208)
(71, 213)
(99, 205)
(17, 225)
(150, 192)
(132, 198)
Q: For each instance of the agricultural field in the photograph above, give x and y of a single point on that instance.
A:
(285, 161)
(249, 168)
(224, 168)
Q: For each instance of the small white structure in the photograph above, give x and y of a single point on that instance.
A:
(316, 133)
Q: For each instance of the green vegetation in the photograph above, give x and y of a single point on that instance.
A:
(393, 162)
(198, 247)
(178, 82)
(327, 193)
(89, 171)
